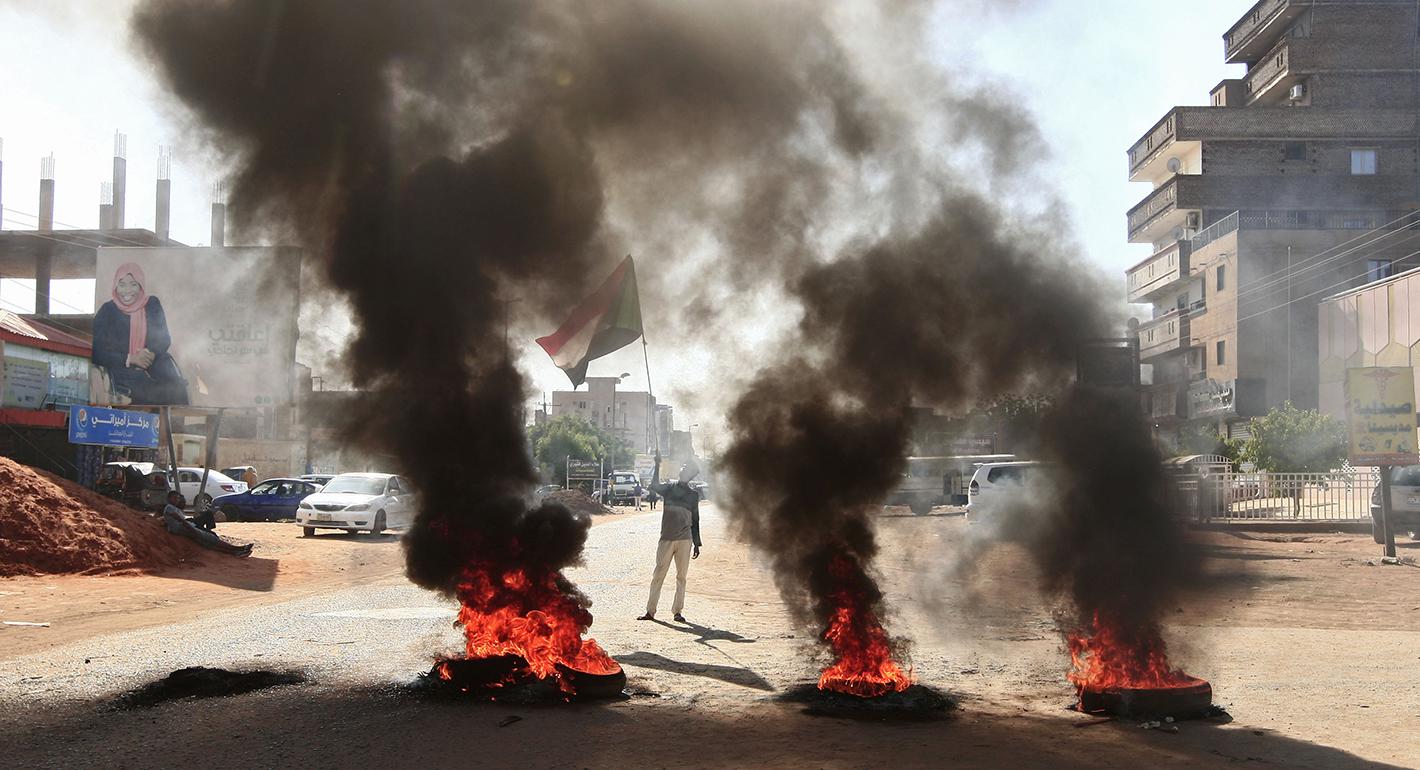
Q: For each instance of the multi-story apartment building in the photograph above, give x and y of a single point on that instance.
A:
(632, 415)
(1300, 179)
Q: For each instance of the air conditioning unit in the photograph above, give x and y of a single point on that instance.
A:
(1298, 92)
(1192, 221)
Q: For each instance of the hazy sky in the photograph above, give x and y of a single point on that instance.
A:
(1096, 75)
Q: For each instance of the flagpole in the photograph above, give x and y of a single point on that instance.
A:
(650, 395)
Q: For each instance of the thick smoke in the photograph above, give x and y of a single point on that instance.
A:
(445, 161)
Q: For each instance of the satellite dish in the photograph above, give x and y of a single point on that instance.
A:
(1174, 165)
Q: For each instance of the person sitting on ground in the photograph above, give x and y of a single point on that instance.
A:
(680, 531)
(178, 524)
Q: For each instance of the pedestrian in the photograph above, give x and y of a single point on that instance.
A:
(680, 536)
(178, 524)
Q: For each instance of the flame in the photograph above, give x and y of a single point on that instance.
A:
(529, 615)
(1110, 656)
(863, 664)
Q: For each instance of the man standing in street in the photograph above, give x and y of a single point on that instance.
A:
(680, 533)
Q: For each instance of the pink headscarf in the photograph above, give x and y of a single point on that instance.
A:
(137, 318)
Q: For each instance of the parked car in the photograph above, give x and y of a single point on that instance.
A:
(993, 484)
(190, 479)
(1404, 503)
(245, 473)
(621, 488)
(319, 479)
(268, 501)
(138, 485)
(356, 501)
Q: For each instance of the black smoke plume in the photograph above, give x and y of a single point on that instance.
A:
(440, 158)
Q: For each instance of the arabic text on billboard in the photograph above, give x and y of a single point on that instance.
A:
(584, 469)
(26, 383)
(200, 326)
(112, 427)
(1380, 415)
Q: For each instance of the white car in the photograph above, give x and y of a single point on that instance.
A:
(993, 484)
(218, 484)
(355, 501)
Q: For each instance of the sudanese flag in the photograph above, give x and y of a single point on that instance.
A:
(608, 320)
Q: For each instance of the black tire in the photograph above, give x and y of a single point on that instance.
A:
(379, 526)
(201, 502)
(920, 507)
(308, 531)
(1376, 533)
(233, 513)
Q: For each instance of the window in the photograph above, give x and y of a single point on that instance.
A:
(1222, 277)
(1377, 269)
(1222, 354)
(1363, 162)
(1294, 151)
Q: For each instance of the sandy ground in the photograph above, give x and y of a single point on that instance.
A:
(1312, 647)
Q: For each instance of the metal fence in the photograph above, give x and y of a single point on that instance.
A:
(1281, 497)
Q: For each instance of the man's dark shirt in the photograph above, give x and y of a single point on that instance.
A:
(680, 495)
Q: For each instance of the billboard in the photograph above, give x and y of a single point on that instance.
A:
(112, 427)
(1380, 415)
(26, 383)
(199, 326)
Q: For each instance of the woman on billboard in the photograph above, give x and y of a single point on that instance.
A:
(131, 343)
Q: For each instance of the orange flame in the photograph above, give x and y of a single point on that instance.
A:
(863, 664)
(514, 613)
(1109, 657)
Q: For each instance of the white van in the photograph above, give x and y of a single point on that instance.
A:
(993, 483)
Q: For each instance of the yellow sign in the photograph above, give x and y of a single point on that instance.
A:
(1380, 415)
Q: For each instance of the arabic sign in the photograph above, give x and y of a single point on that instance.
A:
(219, 325)
(112, 427)
(1211, 398)
(26, 383)
(584, 469)
(1380, 415)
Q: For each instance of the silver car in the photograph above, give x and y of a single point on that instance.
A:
(1404, 503)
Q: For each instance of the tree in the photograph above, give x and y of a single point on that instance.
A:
(1292, 440)
(569, 435)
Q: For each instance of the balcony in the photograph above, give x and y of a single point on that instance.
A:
(1166, 208)
(1267, 81)
(1259, 28)
(1160, 271)
(1163, 335)
(1149, 157)
(1166, 402)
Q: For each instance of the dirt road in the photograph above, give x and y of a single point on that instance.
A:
(1315, 653)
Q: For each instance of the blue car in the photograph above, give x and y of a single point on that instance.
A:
(271, 500)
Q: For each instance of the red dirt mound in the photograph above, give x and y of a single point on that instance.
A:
(579, 502)
(52, 526)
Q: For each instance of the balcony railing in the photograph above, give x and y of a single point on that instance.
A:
(1250, 25)
(1215, 231)
(1269, 70)
(1161, 136)
(1163, 334)
(1160, 201)
(1163, 268)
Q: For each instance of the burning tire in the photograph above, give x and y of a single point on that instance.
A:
(1192, 699)
(590, 686)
